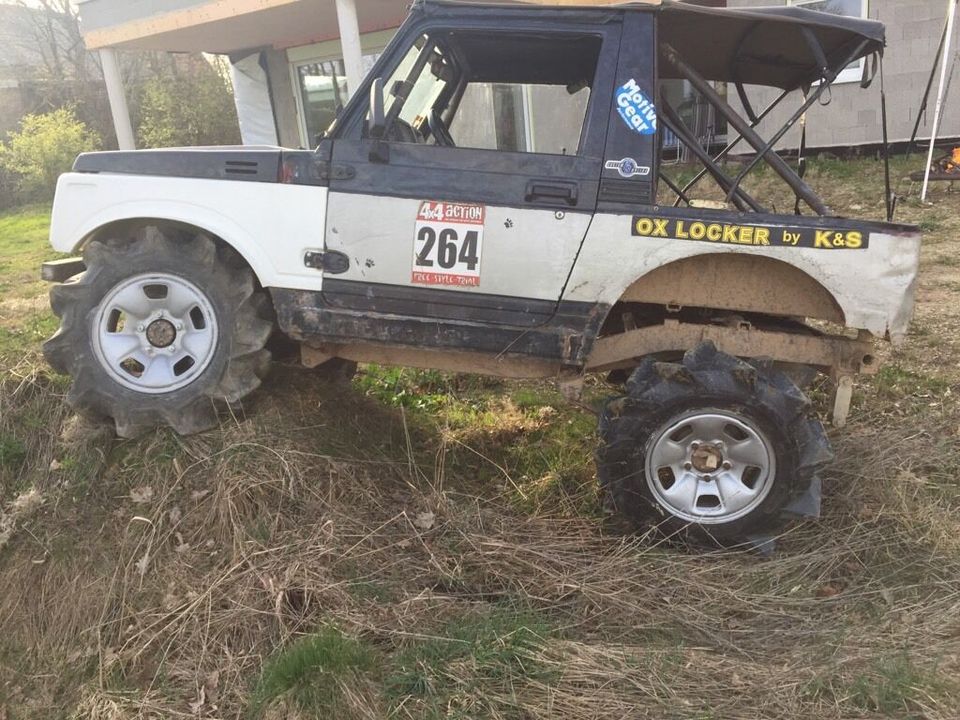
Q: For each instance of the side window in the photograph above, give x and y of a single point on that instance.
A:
(515, 92)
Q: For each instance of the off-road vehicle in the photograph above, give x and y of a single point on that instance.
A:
(494, 199)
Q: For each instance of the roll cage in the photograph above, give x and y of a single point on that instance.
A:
(789, 48)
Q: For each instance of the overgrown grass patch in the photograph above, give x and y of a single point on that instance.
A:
(310, 673)
(473, 668)
(894, 685)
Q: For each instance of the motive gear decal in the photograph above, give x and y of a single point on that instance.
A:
(636, 109)
(447, 244)
(755, 235)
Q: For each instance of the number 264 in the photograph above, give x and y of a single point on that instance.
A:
(447, 248)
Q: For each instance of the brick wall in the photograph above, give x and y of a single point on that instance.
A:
(853, 115)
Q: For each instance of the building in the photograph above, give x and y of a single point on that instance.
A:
(295, 61)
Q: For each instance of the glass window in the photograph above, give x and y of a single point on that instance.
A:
(423, 89)
(323, 92)
(849, 8)
(521, 118)
(509, 92)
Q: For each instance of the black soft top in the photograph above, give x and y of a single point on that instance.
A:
(753, 46)
(763, 45)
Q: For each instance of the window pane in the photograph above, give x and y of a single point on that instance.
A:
(520, 118)
(510, 92)
(850, 8)
(323, 90)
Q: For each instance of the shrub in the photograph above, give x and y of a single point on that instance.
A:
(44, 147)
(192, 107)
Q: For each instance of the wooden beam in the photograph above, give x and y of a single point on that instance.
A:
(208, 12)
(590, 3)
(586, 3)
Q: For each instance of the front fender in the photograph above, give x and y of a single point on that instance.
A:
(270, 225)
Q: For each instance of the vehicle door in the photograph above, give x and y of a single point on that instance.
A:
(475, 201)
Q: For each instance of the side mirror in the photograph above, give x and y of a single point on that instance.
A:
(376, 120)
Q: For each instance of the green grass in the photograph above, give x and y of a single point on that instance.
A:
(12, 453)
(892, 685)
(472, 667)
(308, 673)
(895, 381)
(23, 246)
(25, 321)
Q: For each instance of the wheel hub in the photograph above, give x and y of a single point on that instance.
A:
(706, 458)
(710, 467)
(155, 333)
(161, 333)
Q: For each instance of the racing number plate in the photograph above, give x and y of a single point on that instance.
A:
(448, 243)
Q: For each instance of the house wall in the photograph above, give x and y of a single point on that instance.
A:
(853, 114)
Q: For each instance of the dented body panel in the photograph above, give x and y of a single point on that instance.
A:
(873, 285)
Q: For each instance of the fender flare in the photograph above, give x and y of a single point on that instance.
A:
(205, 219)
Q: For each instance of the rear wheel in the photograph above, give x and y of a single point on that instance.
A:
(711, 446)
(158, 330)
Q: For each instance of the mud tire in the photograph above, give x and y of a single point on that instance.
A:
(239, 359)
(658, 392)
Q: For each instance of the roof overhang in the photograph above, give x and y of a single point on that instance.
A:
(226, 26)
(230, 26)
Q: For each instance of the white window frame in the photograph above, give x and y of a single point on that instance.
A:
(849, 74)
(327, 51)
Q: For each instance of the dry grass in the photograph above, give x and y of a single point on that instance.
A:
(450, 544)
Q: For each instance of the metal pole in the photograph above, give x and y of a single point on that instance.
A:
(952, 13)
(926, 93)
(731, 145)
(117, 98)
(749, 134)
(350, 43)
(763, 152)
(673, 121)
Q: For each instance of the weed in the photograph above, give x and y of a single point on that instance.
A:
(469, 665)
(896, 381)
(12, 452)
(310, 673)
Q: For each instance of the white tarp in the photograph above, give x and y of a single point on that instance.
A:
(251, 93)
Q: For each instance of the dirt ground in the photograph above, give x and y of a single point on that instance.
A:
(422, 545)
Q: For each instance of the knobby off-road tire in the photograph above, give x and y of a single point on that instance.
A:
(712, 448)
(159, 330)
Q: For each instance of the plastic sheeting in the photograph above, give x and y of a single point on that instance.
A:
(251, 90)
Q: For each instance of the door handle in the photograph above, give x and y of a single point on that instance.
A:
(553, 192)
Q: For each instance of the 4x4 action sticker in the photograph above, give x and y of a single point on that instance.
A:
(756, 235)
(448, 243)
(636, 109)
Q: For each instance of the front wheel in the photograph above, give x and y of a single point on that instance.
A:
(711, 446)
(158, 330)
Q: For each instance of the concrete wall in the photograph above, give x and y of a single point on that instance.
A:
(853, 115)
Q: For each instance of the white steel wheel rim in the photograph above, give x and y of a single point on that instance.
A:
(155, 333)
(710, 467)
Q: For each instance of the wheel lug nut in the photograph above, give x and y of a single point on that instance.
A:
(140, 327)
(688, 466)
(179, 326)
(695, 446)
(727, 466)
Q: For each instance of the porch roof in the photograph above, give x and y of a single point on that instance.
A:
(224, 26)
